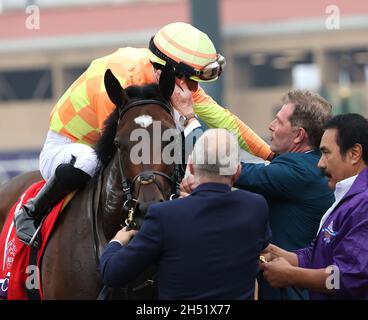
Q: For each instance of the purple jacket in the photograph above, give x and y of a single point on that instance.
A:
(343, 242)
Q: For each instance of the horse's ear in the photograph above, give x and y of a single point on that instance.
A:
(167, 81)
(114, 90)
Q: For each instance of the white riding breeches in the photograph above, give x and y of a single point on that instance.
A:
(59, 149)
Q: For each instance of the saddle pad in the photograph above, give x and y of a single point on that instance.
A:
(15, 271)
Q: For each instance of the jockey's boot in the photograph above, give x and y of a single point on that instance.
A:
(66, 179)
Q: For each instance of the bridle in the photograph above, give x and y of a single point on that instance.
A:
(145, 177)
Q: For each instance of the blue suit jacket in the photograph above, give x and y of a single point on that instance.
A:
(206, 245)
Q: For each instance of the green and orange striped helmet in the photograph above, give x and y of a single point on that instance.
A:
(189, 50)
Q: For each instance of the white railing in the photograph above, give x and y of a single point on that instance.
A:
(17, 166)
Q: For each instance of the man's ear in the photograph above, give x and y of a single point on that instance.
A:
(356, 153)
(236, 175)
(301, 135)
(114, 90)
(190, 166)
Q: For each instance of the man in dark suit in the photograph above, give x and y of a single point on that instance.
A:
(206, 245)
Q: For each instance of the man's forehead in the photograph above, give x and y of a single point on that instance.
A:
(288, 107)
(285, 111)
(329, 138)
(330, 133)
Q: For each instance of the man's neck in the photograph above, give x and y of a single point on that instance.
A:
(358, 168)
(201, 180)
(302, 148)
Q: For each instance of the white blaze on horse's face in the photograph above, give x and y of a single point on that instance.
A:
(144, 120)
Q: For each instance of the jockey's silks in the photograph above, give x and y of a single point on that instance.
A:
(80, 113)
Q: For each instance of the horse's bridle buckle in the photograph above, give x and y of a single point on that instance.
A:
(145, 178)
(148, 181)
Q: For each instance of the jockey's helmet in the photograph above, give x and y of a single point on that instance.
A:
(189, 50)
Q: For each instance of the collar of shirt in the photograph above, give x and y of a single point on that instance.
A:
(342, 187)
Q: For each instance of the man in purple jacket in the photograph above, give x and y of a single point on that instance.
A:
(335, 266)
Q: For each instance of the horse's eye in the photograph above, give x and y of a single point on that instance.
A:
(117, 143)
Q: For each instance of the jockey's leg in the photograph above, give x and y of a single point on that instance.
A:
(65, 178)
(59, 149)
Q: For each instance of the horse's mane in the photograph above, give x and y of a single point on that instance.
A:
(105, 147)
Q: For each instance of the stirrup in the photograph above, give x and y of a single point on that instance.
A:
(35, 242)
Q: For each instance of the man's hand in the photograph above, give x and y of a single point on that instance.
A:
(181, 98)
(188, 184)
(183, 194)
(272, 252)
(277, 272)
(124, 236)
(268, 254)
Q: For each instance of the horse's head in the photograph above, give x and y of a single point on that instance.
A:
(144, 121)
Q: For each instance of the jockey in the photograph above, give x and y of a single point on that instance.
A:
(68, 160)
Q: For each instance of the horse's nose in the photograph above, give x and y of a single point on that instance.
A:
(140, 213)
(144, 206)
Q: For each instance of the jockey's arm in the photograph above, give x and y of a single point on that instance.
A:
(217, 117)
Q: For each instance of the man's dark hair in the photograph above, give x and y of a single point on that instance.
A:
(311, 112)
(351, 128)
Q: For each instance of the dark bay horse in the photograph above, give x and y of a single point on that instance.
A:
(121, 188)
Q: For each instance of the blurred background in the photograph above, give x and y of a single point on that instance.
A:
(270, 46)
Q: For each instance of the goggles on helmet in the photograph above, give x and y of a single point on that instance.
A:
(209, 72)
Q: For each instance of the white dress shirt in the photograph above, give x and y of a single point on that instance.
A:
(342, 187)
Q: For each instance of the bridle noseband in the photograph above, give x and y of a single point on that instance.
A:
(145, 177)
